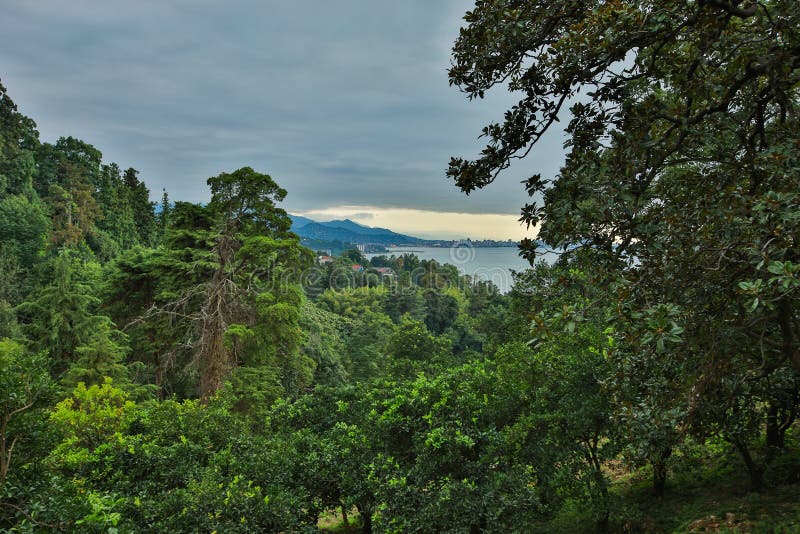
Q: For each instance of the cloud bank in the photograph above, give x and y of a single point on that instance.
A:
(344, 103)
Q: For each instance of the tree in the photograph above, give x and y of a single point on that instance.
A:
(333, 447)
(353, 302)
(69, 173)
(117, 229)
(134, 282)
(449, 459)
(232, 266)
(355, 256)
(404, 300)
(18, 140)
(441, 310)
(24, 384)
(63, 315)
(254, 244)
(138, 197)
(701, 99)
(23, 227)
(366, 346)
(563, 373)
(412, 347)
(153, 295)
(101, 357)
(163, 214)
(324, 343)
(680, 178)
(88, 418)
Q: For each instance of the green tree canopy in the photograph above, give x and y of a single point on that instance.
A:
(24, 384)
(680, 176)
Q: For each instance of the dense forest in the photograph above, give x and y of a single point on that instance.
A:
(181, 367)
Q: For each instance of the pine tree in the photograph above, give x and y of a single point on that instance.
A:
(143, 210)
(101, 356)
(62, 316)
(164, 213)
(18, 140)
(224, 273)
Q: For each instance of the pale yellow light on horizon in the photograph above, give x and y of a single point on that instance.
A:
(429, 224)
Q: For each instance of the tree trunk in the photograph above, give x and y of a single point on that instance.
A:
(213, 357)
(6, 448)
(603, 520)
(599, 480)
(659, 479)
(789, 348)
(755, 471)
(603, 523)
(345, 522)
(780, 417)
(366, 520)
(776, 432)
(5, 460)
(660, 473)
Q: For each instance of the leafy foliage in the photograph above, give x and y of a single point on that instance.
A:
(186, 372)
(681, 168)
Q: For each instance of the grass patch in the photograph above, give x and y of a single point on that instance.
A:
(704, 494)
(333, 522)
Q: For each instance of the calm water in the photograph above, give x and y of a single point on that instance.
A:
(494, 264)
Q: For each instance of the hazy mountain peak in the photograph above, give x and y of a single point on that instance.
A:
(298, 221)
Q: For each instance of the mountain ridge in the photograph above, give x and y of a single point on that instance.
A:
(349, 231)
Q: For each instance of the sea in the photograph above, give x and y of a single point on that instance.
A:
(487, 263)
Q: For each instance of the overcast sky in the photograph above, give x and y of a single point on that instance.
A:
(345, 103)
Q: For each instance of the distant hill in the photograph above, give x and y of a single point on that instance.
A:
(353, 226)
(343, 233)
(298, 221)
(348, 231)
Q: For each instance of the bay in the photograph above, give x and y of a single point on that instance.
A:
(492, 264)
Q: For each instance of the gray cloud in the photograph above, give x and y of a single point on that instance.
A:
(341, 102)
